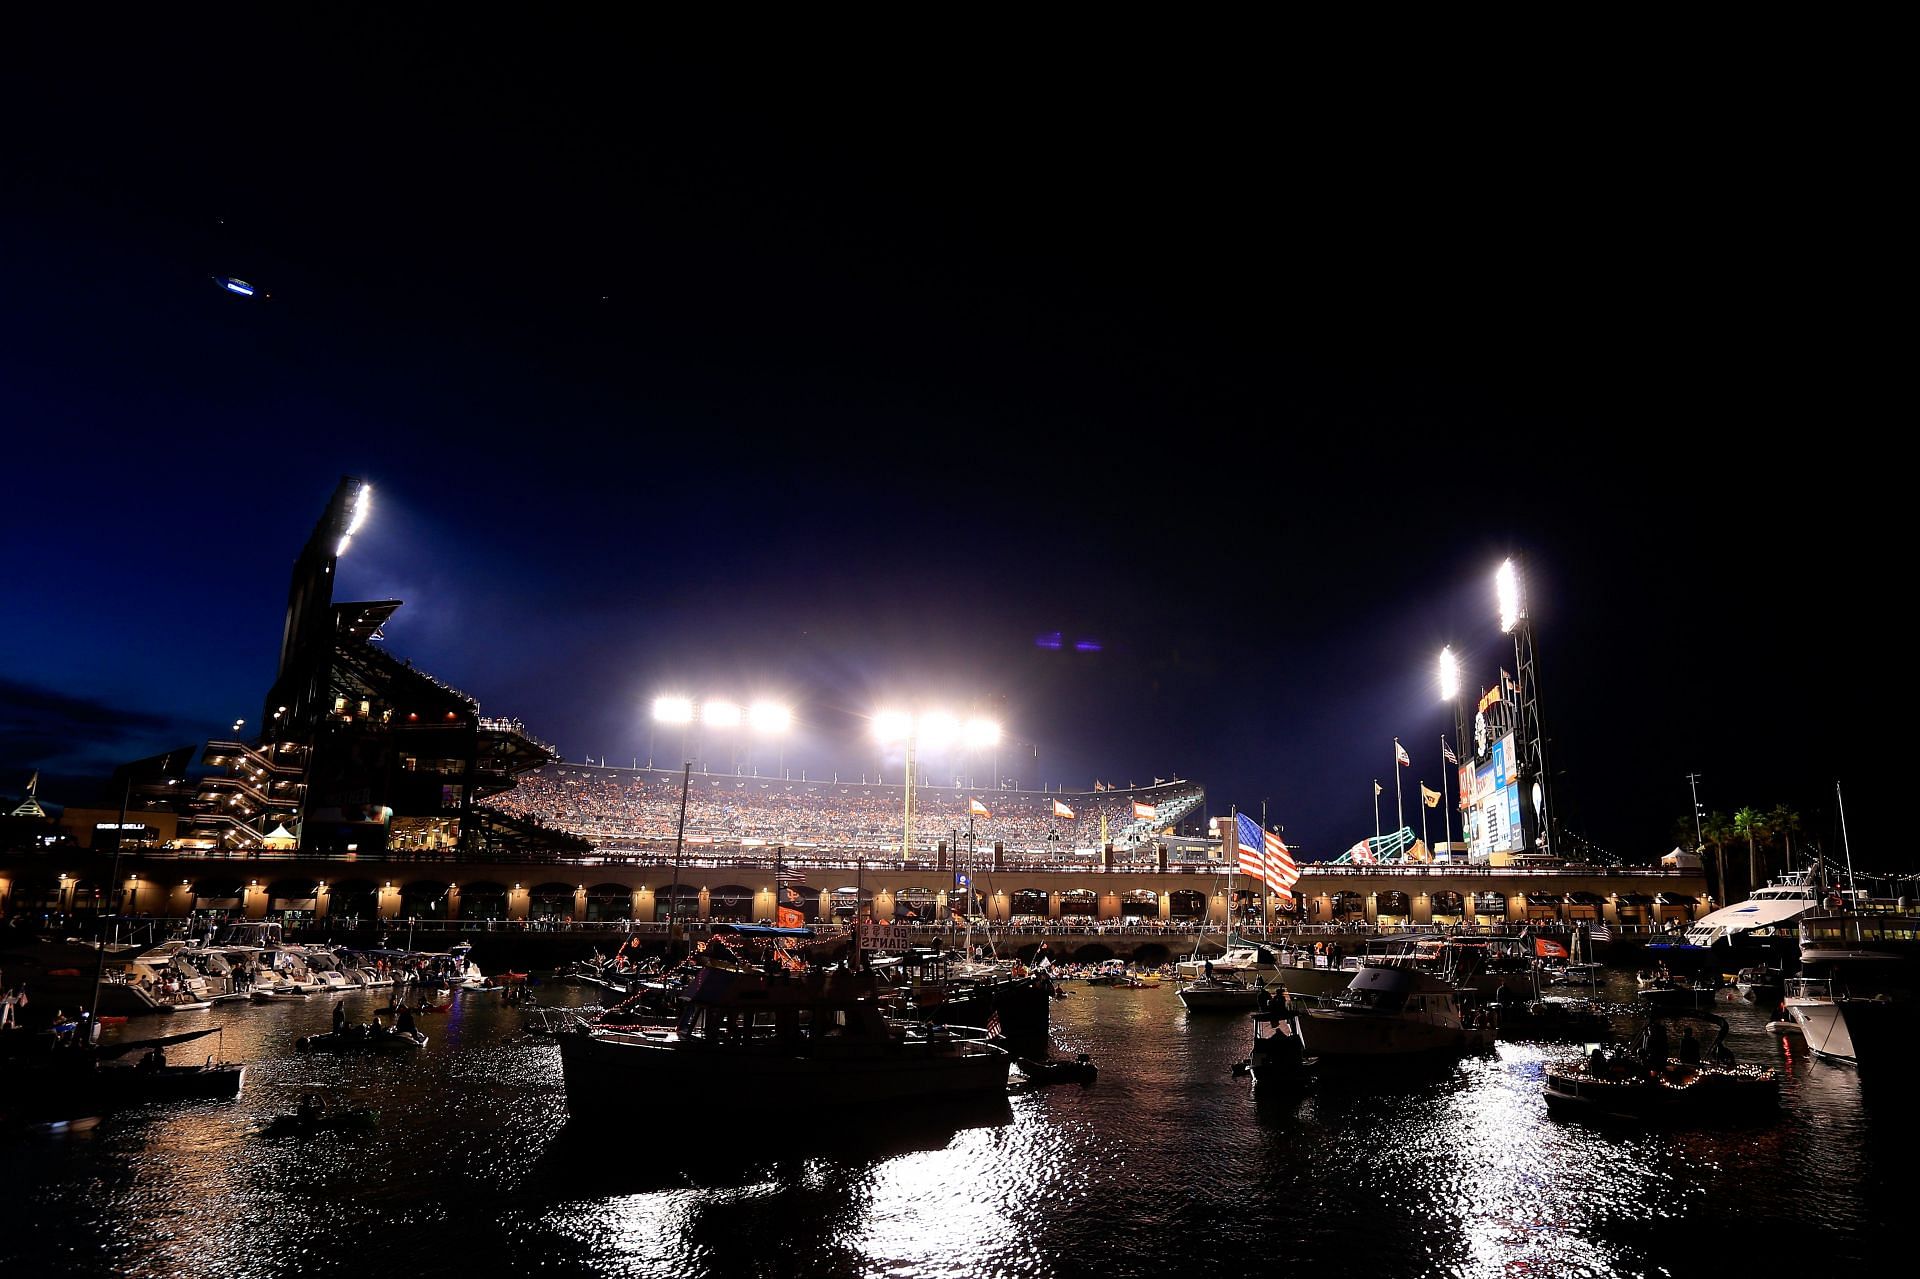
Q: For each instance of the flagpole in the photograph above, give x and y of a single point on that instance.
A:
(1446, 818)
(1423, 818)
(1399, 801)
(1376, 808)
(1266, 918)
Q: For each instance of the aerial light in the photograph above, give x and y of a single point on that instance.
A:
(721, 714)
(892, 726)
(1506, 583)
(1449, 675)
(937, 730)
(360, 500)
(982, 733)
(233, 284)
(673, 710)
(769, 717)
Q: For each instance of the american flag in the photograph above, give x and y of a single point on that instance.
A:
(1264, 855)
(993, 1024)
(787, 876)
(1600, 932)
(1446, 752)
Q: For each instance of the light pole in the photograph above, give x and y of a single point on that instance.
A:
(1449, 693)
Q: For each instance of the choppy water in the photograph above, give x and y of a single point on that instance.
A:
(1167, 1165)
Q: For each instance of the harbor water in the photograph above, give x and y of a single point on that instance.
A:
(1166, 1165)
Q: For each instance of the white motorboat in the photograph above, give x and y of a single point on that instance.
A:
(1810, 1005)
(1240, 960)
(1220, 994)
(1391, 1010)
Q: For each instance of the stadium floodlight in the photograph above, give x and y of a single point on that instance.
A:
(1506, 584)
(769, 717)
(982, 733)
(1449, 675)
(340, 548)
(673, 710)
(721, 714)
(936, 730)
(360, 500)
(892, 726)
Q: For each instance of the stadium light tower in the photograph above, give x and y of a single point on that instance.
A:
(1535, 778)
(1450, 694)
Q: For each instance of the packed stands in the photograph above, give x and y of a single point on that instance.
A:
(638, 808)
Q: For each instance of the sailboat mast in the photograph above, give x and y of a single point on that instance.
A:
(1844, 845)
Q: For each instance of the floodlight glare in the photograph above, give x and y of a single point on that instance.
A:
(892, 726)
(673, 710)
(769, 717)
(937, 730)
(982, 733)
(341, 547)
(1449, 675)
(1506, 584)
(360, 500)
(721, 714)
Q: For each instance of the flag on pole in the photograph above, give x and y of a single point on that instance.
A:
(1061, 810)
(1546, 948)
(977, 809)
(1446, 752)
(1600, 932)
(1247, 835)
(1145, 812)
(1400, 755)
(993, 1025)
(1376, 788)
(1431, 798)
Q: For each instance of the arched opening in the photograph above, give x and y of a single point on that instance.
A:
(730, 902)
(1187, 903)
(670, 909)
(550, 902)
(424, 899)
(914, 906)
(218, 895)
(1079, 903)
(87, 898)
(1393, 908)
(352, 901)
(1583, 906)
(1140, 903)
(1030, 902)
(609, 901)
(1349, 906)
(292, 901)
(1633, 908)
(1152, 955)
(35, 895)
(1246, 907)
(1542, 907)
(1490, 904)
(1448, 908)
(483, 900)
(1092, 953)
(851, 903)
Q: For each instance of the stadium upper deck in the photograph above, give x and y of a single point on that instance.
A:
(624, 807)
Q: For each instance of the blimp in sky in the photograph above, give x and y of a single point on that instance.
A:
(234, 284)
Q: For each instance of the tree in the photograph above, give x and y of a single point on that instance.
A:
(1785, 823)
(1715, 831)
(1751, 825)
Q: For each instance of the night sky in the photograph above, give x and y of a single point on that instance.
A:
(690, 371)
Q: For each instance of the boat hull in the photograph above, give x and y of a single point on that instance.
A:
(605, 1070)
(1338, 1034)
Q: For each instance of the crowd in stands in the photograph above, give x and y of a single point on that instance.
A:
(617, 806)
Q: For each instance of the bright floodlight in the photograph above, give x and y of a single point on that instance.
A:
(721, 714)
(1449, 675)
(1507, 583)
(673, 710)
(982, 733)
(892, 726)
(340, 548)
(360, 500)
(769, 717)
(937, 729)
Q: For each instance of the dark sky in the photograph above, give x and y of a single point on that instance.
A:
(685, 370)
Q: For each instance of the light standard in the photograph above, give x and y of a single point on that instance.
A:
(1514, 621)
(1449, 693)
(933, 730)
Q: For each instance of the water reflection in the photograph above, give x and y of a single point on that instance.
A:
(1165, 1164)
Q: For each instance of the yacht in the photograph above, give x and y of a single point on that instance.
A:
(1241, 960)
(1748, 933)
(1392, 1010)
(1861, 993)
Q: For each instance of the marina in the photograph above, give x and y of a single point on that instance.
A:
(475, 1161)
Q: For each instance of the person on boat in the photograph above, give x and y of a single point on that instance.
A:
(1207, 967)
(154, 1059)
(339, 1018)
(404, 1022)
(1689, 1048)
(1653, 1046)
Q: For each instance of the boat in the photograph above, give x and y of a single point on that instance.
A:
(1759, 930)
(1625, 1085)
(1760, 983)
(815, 1037)
(1220, 995)
(279, 995)
(1241, 959)
(45, 1078)
(1393, 1010)
(1663, 989)
(363, 1039)
(936, 986)
(1078, 1069)
(1275, 1061)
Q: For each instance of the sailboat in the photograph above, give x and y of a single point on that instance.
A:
(1581, 968)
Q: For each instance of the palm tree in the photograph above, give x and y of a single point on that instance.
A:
(1715, 831)
(1751, 825)
(1785, 823)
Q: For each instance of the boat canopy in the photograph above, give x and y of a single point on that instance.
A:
(762, 930)
(125, 1046)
